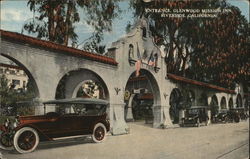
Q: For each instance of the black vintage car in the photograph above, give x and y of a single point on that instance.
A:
(195, 116)
(62, 118)
(237, 114)
(221, 117)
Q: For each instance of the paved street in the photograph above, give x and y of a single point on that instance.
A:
(219, 141)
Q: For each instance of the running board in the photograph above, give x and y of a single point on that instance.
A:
(70, 137)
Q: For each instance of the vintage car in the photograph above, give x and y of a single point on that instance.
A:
(221, 117)
(237, 114)
(62, 118)
(195, 116)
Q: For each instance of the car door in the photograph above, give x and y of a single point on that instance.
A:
(68, 125)
(49, 126)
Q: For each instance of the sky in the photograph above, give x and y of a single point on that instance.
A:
(14, 14)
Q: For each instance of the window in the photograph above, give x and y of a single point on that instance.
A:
(16, 82)
(12, 72)
(131, 51)
(1, 70)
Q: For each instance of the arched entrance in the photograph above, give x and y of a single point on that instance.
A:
(223, 103)
(141, 95)
(82, 83)
(214, 106)
(176, 104)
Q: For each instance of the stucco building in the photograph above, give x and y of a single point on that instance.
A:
(133, 65)
(15, 75)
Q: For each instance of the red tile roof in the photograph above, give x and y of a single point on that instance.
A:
(57, 47)
(198, 83)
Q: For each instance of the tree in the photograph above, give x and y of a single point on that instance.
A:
(3, 89)
(100, 14)
(215, 48)
(221, 52)
(55, 20)
(11, 97)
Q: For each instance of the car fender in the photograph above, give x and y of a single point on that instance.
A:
(40, 133)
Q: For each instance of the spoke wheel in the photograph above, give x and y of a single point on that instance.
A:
(99, 133)
(6, 140)
(26, 140)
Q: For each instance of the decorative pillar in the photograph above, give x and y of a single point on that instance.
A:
(157, 116)
(209, 116)
(161, 117)
(166, 117)
(118, 124)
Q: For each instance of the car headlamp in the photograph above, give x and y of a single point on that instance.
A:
(7, 122)
(16, 122)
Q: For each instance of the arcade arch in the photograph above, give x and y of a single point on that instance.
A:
(223, 103)
(214, 105)
(31, 80)
(82, 83)
(230, 103)
(239, 101)
(175, 102)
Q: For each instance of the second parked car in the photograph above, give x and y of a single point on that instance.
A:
(195, 116)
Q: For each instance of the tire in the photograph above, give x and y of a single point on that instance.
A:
(26, 140)
(6, 141)
(99, 133)
(226, 119)
(237, 119)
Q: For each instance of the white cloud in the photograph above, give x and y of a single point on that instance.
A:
(10, 27)
(14, 15)
(84, 28)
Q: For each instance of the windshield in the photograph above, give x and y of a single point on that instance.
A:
(193, 111)
(81, 109)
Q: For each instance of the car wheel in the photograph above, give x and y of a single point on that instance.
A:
(237, 119)
(99, 133)
(226, 119)
(26, 140)
(6, 141)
